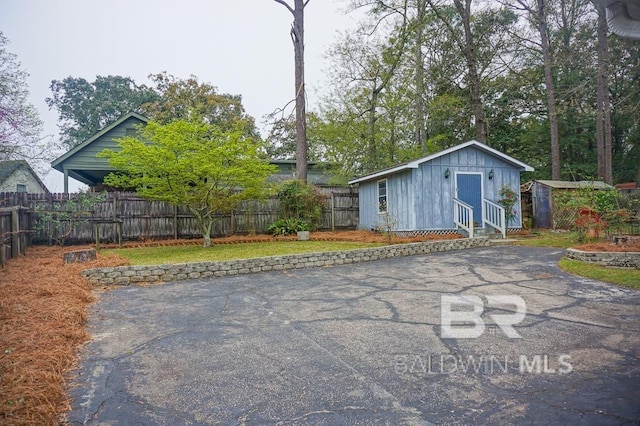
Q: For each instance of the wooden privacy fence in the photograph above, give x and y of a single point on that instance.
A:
(139, 219)
(15, 227)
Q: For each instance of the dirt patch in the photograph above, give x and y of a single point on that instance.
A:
(43, 312)
(633, 245)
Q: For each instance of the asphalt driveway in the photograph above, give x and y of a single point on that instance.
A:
(363, 344)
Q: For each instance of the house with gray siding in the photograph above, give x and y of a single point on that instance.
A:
(453, 190)
(83, 164)
(18, 176)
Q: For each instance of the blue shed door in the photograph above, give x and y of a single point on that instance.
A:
(469, 190)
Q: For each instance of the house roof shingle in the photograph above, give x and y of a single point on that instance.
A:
(8, 167)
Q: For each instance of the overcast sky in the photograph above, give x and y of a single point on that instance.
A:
(241, 46)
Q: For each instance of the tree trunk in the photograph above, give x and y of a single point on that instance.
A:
(470, 54)
(551, 98)
(372, 145)
(81, 256)
(297, 36)
(205, 224)
(420, 132)
(603, 105)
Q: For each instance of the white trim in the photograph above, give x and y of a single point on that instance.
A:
(416, 163)
(386, 195)
(383, 173)
(455, 193)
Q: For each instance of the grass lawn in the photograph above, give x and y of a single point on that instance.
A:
(619, 276)
(551, 239)
(624, 277)
(185, 254)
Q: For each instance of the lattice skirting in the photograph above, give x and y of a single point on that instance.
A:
(424, 233)
(427, 232)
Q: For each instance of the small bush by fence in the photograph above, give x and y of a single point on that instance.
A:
(139, 219)
(567, 207)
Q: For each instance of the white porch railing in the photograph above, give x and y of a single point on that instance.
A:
(494, 216)
(463, 216)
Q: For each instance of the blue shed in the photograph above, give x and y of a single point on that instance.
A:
(452, 190)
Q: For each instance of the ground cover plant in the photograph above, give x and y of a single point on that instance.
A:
(192, 253)
(550, 238)
(621, 276)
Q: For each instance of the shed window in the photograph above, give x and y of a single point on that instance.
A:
(382, 196)
(21, 188)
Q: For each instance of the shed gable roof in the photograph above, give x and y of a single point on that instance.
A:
(57, 163)
(8, 167)
(565, 184)
(416, 163)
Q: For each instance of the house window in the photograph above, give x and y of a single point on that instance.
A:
(21, 188)
(382, 196)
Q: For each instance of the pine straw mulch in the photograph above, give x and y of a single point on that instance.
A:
(43, 312)
(632, 245)
(354, 236)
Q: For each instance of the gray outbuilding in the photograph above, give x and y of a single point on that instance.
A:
(455, 189)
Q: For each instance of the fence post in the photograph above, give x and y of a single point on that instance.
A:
(96, 231)
(175, 222)
(15, 233)
(232, 220)
(115, 219)
(333, 213)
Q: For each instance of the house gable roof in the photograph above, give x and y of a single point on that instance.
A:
(8, 167)
(57, 163)
(416, 163)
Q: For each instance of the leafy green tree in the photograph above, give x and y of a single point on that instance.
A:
(192, 164)
(186, 99)
(281, 139)
(86, 107)
(624, 66)
(20, 126)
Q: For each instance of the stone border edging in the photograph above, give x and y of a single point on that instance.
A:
(126, 275)
(621, 259)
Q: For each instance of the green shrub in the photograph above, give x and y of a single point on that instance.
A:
(289, 226)
(508, 200)
(300, 208)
